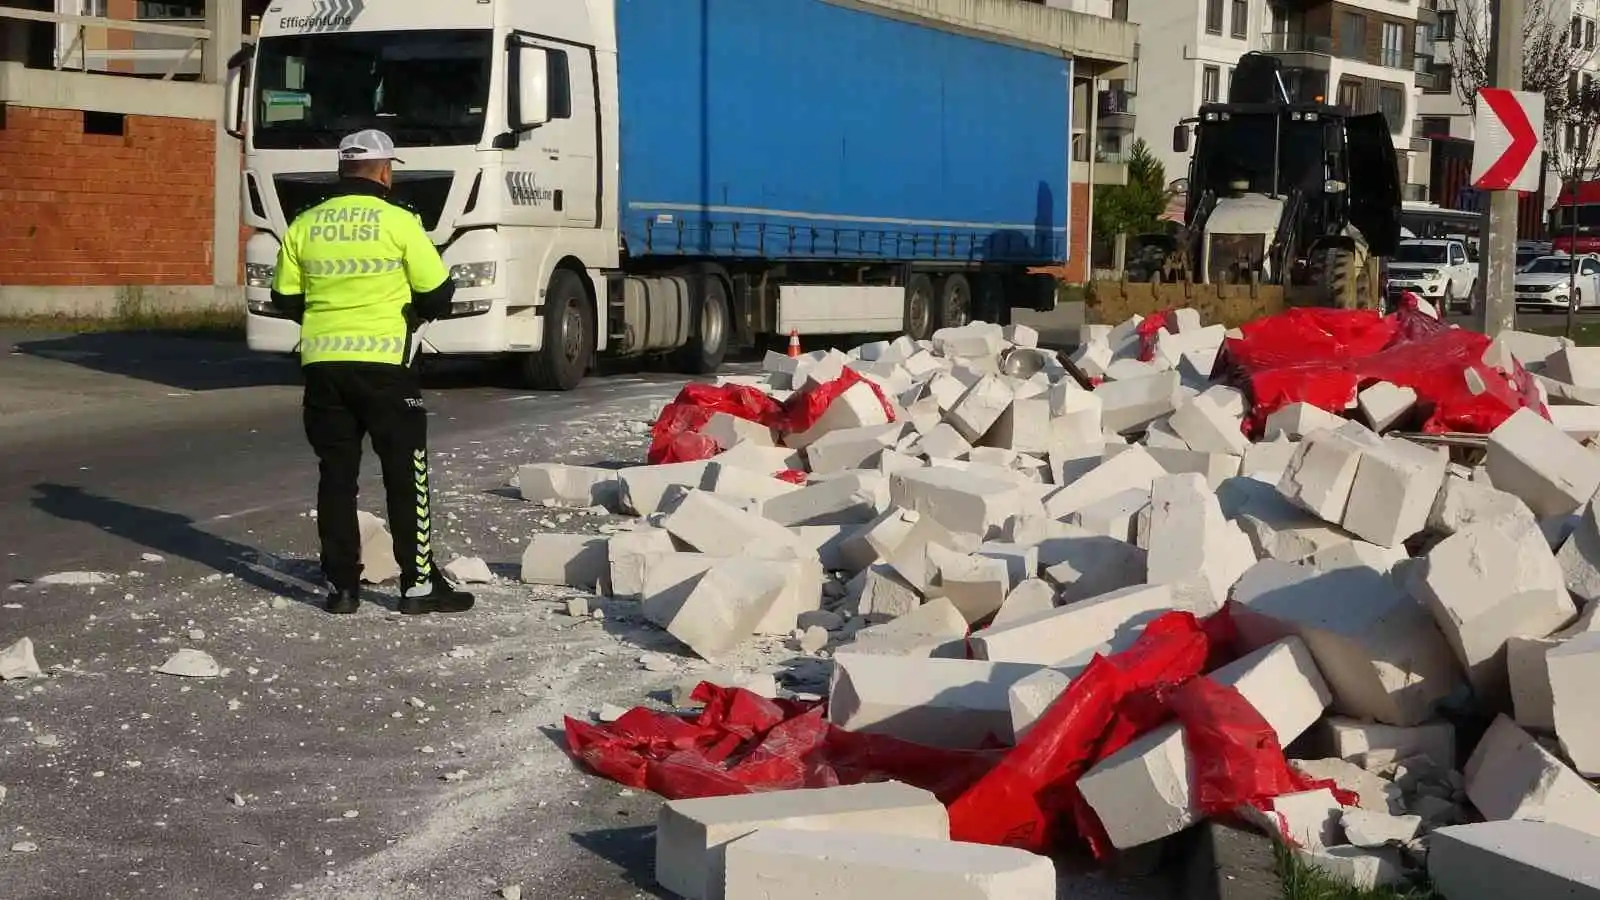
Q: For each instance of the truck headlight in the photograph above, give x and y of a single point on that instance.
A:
(473, 275)
(470, 307)
(258, 275)
(1432, 275)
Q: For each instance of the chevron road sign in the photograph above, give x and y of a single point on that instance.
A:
(1509, 127)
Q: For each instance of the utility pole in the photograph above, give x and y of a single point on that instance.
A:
(1497, 250)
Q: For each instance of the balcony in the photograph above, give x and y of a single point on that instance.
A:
(1299, 50)
(1423, 66)
(1109, 168)
(1116, 110)
(1428, 12)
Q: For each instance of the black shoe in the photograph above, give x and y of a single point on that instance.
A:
(343, 602)
(435, 596)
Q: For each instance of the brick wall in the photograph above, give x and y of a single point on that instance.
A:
(96, 209)
(1078, 258)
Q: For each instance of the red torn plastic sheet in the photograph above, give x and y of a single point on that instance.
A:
(1149, 329)
(1021, 796)
(793, 476)
(802, 411)
(676, 437)
(1325, 356)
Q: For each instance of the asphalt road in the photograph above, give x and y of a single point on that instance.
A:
(372, 756)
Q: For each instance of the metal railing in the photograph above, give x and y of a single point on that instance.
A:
(80, 26)
(1297, 42)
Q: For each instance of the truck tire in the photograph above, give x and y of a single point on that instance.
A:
(1333, 270)
(708, 345)
(920, 318)
(568, 337)
(955, 301)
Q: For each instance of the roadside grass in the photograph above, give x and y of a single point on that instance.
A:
(1587, 334)
(221, 324)
(1301, 882)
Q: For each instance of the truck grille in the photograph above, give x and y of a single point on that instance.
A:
(424, 192)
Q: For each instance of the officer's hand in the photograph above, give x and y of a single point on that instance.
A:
(413, 318)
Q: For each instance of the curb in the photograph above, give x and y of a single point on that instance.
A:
(1228, 863)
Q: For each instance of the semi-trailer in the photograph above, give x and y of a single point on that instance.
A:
(638, 177)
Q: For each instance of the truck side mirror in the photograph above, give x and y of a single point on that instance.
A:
(531, 97)
(1180, 139)
(233, 92)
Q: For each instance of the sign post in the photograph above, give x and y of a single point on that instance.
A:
(1509, 127)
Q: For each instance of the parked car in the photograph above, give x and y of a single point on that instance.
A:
(1547, 283)
(1528, 251)
(1438, 270)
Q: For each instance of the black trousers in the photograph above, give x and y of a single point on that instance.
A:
(344, 403)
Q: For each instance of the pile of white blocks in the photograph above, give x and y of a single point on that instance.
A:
(959, 558)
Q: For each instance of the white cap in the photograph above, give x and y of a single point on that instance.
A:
(369, 144)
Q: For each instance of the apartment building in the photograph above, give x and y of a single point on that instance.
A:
(1360, 53)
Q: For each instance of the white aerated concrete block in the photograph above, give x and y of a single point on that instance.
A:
(1579, 556)
(1085, 565)
(1306, 819)
(711, 525)
(725, 606)
(739, 486)
(1581, 423)
(857, 407)
(1131, 405)
(1496, 860)
(1530, 457)
(852, 448)
(579, 486)
(692, 836)
(1208, 424)
(1142, 793)
(874, 541)
(1510, 776)
(1394, 490)
(1116, 516)
(1322, 472)
(1357, 867)
(1192, 548)
(645, 487)
(976, 585)
(1533, 704)
(883, 594)
(1214, 467)
(1131, 469)
(728, 430)
(1266, 460)
(851, 498)
(1075, 413)
(838, 865)
(1296, 420)
(1031, 696)
(955, 703)
(1029, 598)
(377, 549)
(1021, 335)
(1462, 502)
(1378, 647)
(758, 458)
(1374, 746)
(1578, 366)
(957, 500)
(1025, 425)
(572, 560)
(1067, 631)
(1485, 586)
(626, 555)
(1384, 404)
(1574, 672)
(980, 407)
(942, 441)
(936, 628)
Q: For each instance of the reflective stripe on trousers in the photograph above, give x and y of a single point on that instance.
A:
(424, 526)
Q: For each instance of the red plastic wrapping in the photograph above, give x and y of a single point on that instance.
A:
(803, 410)
(1150, 328)
(676, 437)
(1021, 796)
(1325, 356)
(793, 476)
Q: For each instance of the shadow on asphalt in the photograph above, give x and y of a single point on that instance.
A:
(631, 849)
(175, 535)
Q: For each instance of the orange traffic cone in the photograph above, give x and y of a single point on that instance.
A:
(794, 343)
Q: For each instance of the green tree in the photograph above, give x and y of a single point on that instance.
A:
(1135, 207)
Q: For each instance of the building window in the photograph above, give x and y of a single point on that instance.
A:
(1577, 32)
(1241, 19)
(1392, 52)
(1435, 126)
(1210, 84)
(1447, 25)
(1392, 103)
(1214, 16)
(1350, 95)
(1227, 81)
(1588, 34)
(1119, 10)
(172, 9)
(1444, 79)
(1352, 35)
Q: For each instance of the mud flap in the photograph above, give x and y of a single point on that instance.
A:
(1375, 191)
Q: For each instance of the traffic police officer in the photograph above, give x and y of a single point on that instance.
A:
(359, 274)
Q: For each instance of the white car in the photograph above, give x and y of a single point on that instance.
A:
(1437, 270)
(1547, 283)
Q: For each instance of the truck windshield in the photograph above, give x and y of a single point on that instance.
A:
(1420, 253)
(1587, 215)
(1241, 147)
(424, 88)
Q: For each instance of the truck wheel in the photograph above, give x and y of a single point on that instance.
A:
(1333, 270)
(568, 337)
(708, 345)
(920, 322)
(955, 301)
